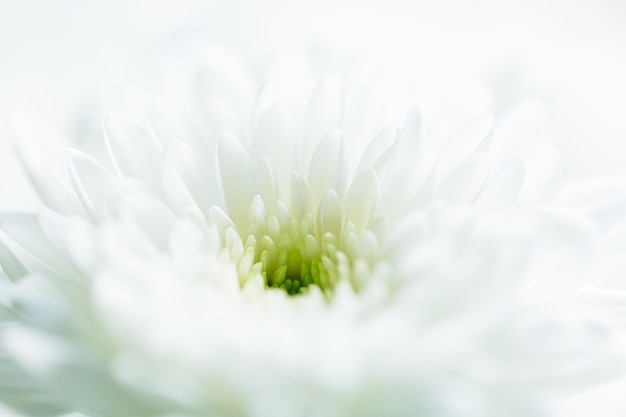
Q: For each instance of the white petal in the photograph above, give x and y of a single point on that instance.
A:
(135, 151)
(274, 140)
(408, 186)
(410, 140)
(323, 114)
(258, 212)
(11, 266)
(73, 236)
(300, 198)
(462, 142)
(505, 184)
(524, 125)
(41, 154)
(364, 119)
(186, 180)
(376, 149)
(362, 200)
(151, 215)
(169, 126)
(21, 233)
(463, 183)
(267, 183)
(88, 177)
(238, 177)
(328, 168)
(116, 188)
(329, 214)
(221, 220)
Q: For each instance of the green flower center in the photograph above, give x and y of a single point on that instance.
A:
(294, 252)
(290, 255)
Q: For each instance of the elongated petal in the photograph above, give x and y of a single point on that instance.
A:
(153, 217)
(364, 120)
(324, 113)
(88, 177)
(465, 140)
(504, 186)
(328, 168)
(300, 196)
(362, 200)
(376, 149)
(11, 266)
(329, 214)
(463, 184)
(21, 234)
(40, 152)
(410, 140)
(186, 180)
(238, 178)
(268, 183)
(135, 151)
(274, 141)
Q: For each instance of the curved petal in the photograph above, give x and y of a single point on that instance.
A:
(274, 140)
(238, 178)
(328, 168)
(88, 177)
(362, 200)
(323, 114)
(375, 150)
(329, 214)
(464, 141)
(187, 181)
(364, 119)
(151, 215)
(463, 183)
(41, 154)
(504, 185)
(411, 138)
(22, 235)
(135, 151)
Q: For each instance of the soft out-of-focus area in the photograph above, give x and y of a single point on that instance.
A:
(56, 56)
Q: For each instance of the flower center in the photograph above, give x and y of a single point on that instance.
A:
(294, 252)
(291, 256)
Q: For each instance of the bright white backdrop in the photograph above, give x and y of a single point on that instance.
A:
(54, 55)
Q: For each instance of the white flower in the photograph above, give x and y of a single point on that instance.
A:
(315, 263)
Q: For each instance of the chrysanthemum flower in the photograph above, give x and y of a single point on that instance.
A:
(232, 256)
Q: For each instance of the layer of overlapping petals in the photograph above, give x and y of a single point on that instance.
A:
(225, 250)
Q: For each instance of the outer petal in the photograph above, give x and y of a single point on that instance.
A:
(362, 200)
(328, 168)
(274, 140)
(238, 178)
(134, 149)
(41, 154)
(22, 235)
(187, 181)
(324, 113)
(88, 177)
